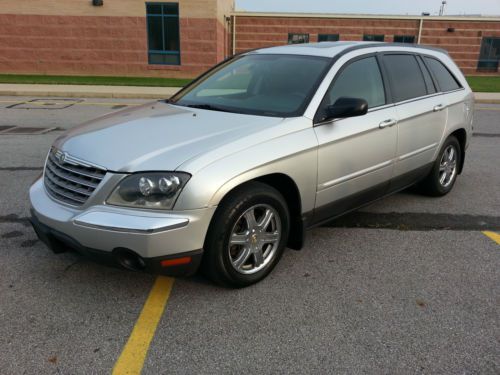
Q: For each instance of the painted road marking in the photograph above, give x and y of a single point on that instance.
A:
(134, 353)
(494, 236)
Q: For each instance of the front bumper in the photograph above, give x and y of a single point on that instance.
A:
(154, 241)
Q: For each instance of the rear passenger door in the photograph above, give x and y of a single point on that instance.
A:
(421, 114)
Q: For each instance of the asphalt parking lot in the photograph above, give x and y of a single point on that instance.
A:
(410, 284)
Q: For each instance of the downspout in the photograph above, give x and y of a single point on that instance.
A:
(420, 30)
(234, 34)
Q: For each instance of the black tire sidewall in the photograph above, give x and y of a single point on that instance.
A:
(217, 255)
(437, 187)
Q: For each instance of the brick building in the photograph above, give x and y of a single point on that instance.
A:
(184, 38)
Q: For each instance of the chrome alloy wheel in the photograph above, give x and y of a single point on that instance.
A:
(254, 239)
(448, 166)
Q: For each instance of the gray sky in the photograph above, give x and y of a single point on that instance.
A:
(453, 7)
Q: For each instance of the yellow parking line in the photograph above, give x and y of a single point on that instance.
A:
(132, 357)
(494, 236)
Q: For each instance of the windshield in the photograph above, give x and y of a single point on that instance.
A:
(266, 85)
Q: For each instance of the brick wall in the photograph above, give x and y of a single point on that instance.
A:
(104, 45)
(463, 44)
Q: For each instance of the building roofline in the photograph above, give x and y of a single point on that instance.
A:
(366, 16)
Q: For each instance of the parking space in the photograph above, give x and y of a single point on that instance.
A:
(410, 284)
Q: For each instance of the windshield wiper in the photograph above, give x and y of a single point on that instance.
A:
(207, 106)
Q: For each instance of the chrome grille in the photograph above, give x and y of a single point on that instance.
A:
(70, 180)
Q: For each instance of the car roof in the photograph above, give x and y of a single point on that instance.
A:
(332, 49)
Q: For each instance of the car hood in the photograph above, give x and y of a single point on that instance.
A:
(157, 136)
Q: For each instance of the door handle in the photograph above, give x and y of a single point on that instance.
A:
(387, 123)
(439, 107)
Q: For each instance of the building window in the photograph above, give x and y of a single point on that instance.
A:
(328, 37)
(404, 39)
(489, 55)
(373, 38)
(163, 33)
(298, 38)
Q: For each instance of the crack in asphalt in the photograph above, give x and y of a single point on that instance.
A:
(417, 221)
(13, 218)
(12, 169)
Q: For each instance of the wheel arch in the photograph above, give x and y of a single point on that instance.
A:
(290, 192)
(461, 136)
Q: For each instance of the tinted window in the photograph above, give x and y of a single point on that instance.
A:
(360, 79)
(406, 78)
(489, 56)
(163, 33)
(266, 85)
(404, 39)
(444, 78)
(373, 38)
(298, 38)
(328, 37)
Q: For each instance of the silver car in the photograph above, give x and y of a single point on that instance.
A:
(238, 164)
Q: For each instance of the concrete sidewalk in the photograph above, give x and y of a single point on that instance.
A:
(131, 92)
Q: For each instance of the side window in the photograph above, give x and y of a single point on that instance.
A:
(406, 78)
(360, 79)
(444, 78)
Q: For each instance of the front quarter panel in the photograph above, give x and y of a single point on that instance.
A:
(293, 153)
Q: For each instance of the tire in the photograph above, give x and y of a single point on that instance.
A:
(240, 219)
(436, 183)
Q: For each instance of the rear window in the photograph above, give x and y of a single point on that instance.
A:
(444, 78)
(407, 81)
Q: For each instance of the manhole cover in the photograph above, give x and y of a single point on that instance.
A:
(27, 131)
(46, 104)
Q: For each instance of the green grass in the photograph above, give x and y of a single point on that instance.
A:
(484, 83)
(90, 80)
(478, 83)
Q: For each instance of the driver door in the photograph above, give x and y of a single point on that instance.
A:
(356, 155)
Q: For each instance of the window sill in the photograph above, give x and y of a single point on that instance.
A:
(163, 67)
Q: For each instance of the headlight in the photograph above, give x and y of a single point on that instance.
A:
(158, 190)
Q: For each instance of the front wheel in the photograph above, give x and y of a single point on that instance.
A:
(444, 173)
(247, 235)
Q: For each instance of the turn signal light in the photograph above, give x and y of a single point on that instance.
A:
(175, 262)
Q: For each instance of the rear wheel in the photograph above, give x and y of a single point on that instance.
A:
(247, 235)
(444, 173)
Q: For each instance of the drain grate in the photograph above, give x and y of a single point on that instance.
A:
(5, 127)
(26, 130)
(46, 104)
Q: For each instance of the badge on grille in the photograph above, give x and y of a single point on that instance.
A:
(62, 157)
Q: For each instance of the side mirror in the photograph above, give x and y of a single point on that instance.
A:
(346, 107)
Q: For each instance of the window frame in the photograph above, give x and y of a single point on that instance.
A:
(337, 35)
(385, 84)
(291, 34)
(164, 51)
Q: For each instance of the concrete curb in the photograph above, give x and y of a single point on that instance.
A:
(88, 91)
